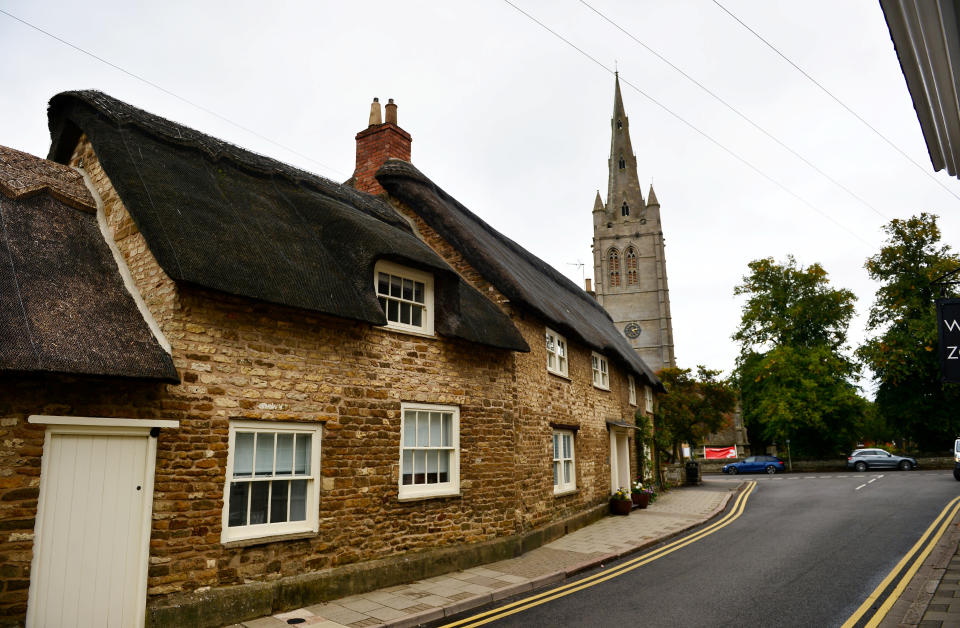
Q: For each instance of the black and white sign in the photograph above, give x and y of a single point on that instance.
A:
(948, 333)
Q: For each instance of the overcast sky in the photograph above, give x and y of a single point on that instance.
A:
(515, 123)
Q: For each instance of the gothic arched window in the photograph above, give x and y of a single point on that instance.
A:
(624, 209)
(630, 261)
(613, 263)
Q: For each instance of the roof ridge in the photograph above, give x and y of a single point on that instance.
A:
(23, 175)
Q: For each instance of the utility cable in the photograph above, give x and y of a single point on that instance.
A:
(923, 169)
(170, 93)
(742, 116)
(692, 126)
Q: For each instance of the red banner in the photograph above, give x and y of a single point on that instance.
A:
(719, 453)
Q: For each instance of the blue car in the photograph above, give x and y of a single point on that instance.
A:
(755, 464)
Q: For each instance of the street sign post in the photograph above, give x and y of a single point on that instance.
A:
(948, 334)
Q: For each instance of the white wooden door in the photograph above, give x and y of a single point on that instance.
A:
(619, 460)
(93, 528)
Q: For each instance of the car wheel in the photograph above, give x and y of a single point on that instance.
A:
(860, 466)
(905, 465)
(732, 470)
(771, 470)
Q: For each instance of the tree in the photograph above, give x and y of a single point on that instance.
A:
(694, 406)
(902, 352)
(795, 380)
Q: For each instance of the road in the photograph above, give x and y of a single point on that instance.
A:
(807, 550)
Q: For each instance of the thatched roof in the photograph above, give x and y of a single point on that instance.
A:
(221, 217)
(63, 304)
(521, 276)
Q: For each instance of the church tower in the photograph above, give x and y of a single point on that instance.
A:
(629, 267)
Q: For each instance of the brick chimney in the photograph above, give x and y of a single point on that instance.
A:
(377, 143)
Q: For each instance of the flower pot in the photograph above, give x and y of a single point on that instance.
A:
(635, 498)
(620, 506)
(642, 500)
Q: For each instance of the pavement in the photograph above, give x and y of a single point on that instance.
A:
(931, 600)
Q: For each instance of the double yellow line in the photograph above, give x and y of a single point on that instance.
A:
(927, 543)
(562, 591)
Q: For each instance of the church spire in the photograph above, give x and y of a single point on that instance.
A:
(623, 188)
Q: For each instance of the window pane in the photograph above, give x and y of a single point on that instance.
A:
(418, 292)
(259, 494)
(434, 429)
(393, 311)
(432, 467)
(556, 446)
(284, 454)
(407, 467)
(238, 503)
(419, 467)
(566, 445)
(423, 425)
(408, 290)
(563, 365)
(551, 362)
(264, 459)
(561, 348)
(447, 430)
(298, 500)
(302, 457)
(556, 473)
(383, 304)
(243, 454)
(278, 501)
(410, 429)
(551, 347)
(396, 286)
(416, 317)
(383, 283)
(567, 471)
(405, 313)
(444, 466)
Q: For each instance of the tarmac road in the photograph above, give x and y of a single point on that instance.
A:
(807, 551)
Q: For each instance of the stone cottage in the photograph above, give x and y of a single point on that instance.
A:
(231, 387)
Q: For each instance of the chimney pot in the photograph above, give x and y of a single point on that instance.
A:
(375, 113)
(391, 110)
(589, 287)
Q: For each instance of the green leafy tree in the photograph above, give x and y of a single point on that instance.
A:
(695, 405)
(902, 352)
(795, 380)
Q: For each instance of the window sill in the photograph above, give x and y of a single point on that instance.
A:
(420, 498)
(407, 332)
(607, 389)
(560, 375)
(567, 493)
(263, 540)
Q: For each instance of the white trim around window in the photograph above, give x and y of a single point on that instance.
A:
(601, 371)
(564, 462)
(631, 390)
(406, 296)
(429, 451)
(648, 398)
(272, 484)
(556, 353)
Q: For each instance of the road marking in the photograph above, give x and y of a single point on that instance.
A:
(872, 481)
(562, 591)
(943, 520)
(859, 487)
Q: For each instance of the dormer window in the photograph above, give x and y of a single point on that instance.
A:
(624, 209)
(406, 296)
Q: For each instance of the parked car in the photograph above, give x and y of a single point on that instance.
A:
(863, 459)
(956, 460)
(755, 464)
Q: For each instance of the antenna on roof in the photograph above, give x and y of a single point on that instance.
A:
(579, 265)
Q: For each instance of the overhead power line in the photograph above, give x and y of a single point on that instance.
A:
(740, 114)
(170, 93)
(690, 125)
(924, 170)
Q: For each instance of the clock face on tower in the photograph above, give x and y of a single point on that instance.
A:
(632, 330)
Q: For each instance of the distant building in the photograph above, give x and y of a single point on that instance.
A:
(629, 264)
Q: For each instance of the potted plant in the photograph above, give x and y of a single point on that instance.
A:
(620, 502)
(636, 490)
